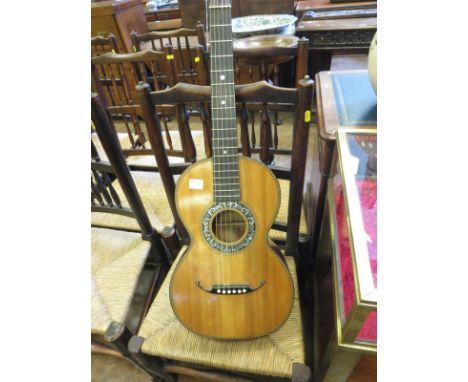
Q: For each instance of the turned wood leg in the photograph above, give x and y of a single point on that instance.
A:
(118, 335)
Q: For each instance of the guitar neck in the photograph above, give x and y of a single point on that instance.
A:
(223, 106)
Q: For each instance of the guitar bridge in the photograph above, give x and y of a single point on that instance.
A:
(230, 289)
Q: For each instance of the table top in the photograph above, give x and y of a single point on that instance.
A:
(337, 24)
(303, 6)
(344, 99)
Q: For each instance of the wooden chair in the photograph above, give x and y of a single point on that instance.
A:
(114, 77)
(119, 73)
(188, 47)
(119, 257)
(262, 60)
(101, 45)
(163, 346)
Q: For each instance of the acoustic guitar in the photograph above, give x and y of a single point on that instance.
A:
(232, 282)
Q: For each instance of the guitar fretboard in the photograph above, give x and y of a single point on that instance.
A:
(223, 107)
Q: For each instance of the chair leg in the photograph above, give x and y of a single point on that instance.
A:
(118, 335)
(151, 365)
(300, 373)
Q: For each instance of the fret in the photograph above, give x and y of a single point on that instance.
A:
(228, 170)
(226, 182)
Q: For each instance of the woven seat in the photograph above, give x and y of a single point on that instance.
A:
(117, 258)
(271, 355)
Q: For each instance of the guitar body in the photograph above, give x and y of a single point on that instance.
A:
(232, 281)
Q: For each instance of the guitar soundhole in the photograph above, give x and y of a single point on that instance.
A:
(229, 226)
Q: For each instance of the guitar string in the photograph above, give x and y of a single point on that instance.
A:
(227, 225)
(212, 23)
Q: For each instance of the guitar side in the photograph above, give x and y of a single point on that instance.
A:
(262, 296)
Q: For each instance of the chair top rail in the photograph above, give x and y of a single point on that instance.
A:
(258, 91)
(181, 32)
(117, 58)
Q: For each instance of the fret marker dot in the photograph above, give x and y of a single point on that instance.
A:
(222, 77)
(223, 102)
(224, 152)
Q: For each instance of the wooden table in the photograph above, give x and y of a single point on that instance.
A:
(344, 99)
(314, 5)
(334, 33)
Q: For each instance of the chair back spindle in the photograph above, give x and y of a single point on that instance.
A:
(114, 76)
(102, 189)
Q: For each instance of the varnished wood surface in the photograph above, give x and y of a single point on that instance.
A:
(335, 24)
(231, 316)
(119, 18)
(304, 6)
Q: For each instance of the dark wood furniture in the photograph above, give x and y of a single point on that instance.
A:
(101, 45)
(260, 57)
(362, 101)
(170, 12)
(188, 47)
(330, 34)
(333, 34)
(348, 61)
(326, 6)
(263, 58)
(261, 7)
(192, 12)
(104, 198)
(119, 18)
(114, 76)
(262, 93)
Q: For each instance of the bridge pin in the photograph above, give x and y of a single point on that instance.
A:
(234, 291)
(229, 292)
(224, 292)
(239, 291)
(244, 290)
(218, 291)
